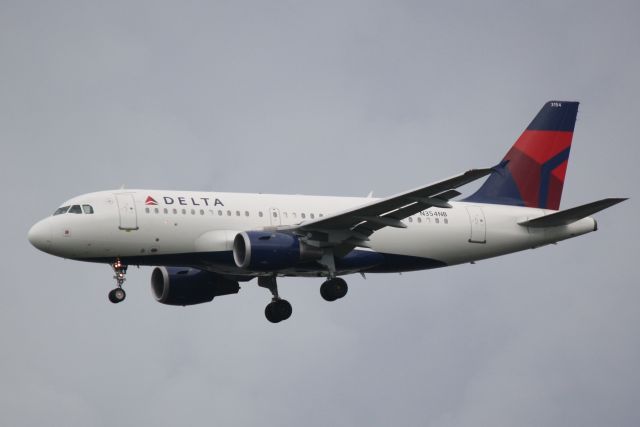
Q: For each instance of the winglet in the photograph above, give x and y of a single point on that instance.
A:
(569, 216)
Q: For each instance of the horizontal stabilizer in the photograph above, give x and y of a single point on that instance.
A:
(572, 215)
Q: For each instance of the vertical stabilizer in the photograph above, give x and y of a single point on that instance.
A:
(532, 173)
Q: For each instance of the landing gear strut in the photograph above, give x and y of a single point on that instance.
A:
(278, 309)
(120, 270)
(333, 289)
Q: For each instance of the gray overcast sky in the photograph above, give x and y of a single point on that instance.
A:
(321, 98)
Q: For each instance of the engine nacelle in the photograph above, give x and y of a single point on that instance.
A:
(270, 250)
(189, 286)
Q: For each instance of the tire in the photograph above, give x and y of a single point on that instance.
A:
(117, 295)
(278, 310)
(270, 313)
(340, 287)
(333, 289)
(326, 291)
(284, 309)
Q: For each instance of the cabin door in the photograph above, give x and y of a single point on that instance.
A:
(127, 211)
(478, 232)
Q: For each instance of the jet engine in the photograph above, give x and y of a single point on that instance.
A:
(270, 250)
(189, 286)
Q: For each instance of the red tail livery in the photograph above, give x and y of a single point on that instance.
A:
(532, 173)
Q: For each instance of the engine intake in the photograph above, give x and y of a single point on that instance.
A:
(268, 251)
(189, 286)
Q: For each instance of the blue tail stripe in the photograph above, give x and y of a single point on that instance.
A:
(545, 175)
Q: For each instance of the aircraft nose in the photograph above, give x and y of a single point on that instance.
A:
(40, 235)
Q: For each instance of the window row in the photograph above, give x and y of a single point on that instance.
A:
(74, 209)
(295, 215)
(175, 211)
(275, 213)
(227, 212)
(428, 220)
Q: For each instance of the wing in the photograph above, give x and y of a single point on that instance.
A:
(347, 229)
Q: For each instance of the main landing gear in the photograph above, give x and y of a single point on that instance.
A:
(120, 270)
(278, 309)
(333, 289)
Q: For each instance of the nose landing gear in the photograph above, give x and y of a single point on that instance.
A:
(120, 270)
(278, 309)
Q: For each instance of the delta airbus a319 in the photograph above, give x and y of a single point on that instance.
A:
(204, 244)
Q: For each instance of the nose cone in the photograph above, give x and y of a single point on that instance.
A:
(40, 235)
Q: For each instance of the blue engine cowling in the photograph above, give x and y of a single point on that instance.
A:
(270, 250)
(189, 286)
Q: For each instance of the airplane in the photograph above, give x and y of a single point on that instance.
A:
(205, 244)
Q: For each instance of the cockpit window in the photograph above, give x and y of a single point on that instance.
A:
(88, 209)
(61, 210)
(75, 209)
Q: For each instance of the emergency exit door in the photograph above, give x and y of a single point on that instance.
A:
(274, 214)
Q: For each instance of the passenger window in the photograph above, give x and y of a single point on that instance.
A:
(260, 214)
(219, 213)
(246, 213)
(146, 210)
(201, 211)
(303, 216)
(175, 211)
(312, 216)
(61, 210)
(87, 209)
(228, 213)
(75, 209)
(166, 211)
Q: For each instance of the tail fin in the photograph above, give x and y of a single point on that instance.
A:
(532, 173)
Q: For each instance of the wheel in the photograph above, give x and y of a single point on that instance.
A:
(284, 309)
(340, 287)
(325, 291)
(270, 313)
(333, 289)
(278, 310)
(117, 295)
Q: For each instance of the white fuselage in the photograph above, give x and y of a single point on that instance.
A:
(154, 227)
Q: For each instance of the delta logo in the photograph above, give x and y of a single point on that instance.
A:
(185, 201)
